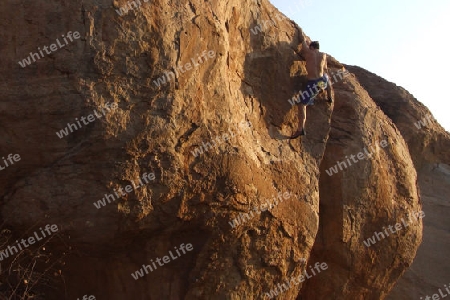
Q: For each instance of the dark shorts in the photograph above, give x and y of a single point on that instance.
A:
(313, 88)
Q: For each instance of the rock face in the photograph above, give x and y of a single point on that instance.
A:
(187, 116)
(367, 197)
(427, 140)
(429, 146)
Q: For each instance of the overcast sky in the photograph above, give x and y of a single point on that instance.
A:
(405, 42)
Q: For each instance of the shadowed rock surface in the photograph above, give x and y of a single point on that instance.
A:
(429, 146)
(243, 91)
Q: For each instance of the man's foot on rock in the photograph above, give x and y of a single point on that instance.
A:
(297, 134)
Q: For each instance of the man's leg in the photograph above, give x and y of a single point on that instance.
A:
(329, 92)
(301, 117)
(301, 121)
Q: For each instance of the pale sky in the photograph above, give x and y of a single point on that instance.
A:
(403, 41)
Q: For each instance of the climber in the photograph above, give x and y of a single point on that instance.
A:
(316, 66)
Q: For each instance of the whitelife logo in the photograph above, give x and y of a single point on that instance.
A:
(305, 94)
(166, 259)
(360, 156)
(424, 122)
(380, 236)
(243, 125)
(27, 61)
(128, 189)
(127, 7)
(188, 66)
(16, 158)
(439, 296)
(90, 118)
(244, 217)
(85, 297)
(31, 240)
(281, 288)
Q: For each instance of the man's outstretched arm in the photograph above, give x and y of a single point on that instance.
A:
(305, 46)
(325, 65)
(304, 49)
(325, 71)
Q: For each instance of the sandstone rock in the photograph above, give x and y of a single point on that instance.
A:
(362, 199)
(193, 198)
(429, 147)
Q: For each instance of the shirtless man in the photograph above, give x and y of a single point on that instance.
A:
(316, 66)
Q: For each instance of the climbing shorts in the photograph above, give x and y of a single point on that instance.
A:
(313, 88)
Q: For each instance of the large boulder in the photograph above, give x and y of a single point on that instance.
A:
(190, 115)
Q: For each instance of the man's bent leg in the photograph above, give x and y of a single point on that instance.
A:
(301, 117)
(329, 92)
(301, 121)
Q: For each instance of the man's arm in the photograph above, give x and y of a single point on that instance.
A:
(305, 47)
(325, 73)
(325, 65)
